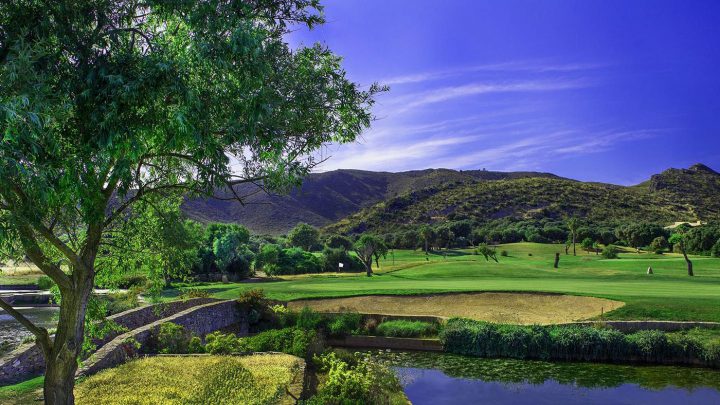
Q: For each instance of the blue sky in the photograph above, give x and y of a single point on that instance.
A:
(609, 91)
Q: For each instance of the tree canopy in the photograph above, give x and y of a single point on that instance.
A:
(105, 103)
(304, 236)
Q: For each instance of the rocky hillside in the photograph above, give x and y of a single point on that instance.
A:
(355, 201)
(325, 198)
(674, 195)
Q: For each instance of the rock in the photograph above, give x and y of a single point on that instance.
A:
(649, 271)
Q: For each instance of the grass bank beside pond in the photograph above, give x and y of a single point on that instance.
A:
(668, 294)
(256, 379)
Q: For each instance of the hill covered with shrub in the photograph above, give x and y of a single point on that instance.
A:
(325, 198)
(674, 195)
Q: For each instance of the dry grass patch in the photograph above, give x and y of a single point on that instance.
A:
(257, 379)
(517, 308)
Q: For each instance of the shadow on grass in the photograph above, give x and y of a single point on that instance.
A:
(449, 253)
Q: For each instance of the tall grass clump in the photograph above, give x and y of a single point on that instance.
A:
(345, 324)
(406, 329)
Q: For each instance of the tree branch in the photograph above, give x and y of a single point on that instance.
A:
(36, 255)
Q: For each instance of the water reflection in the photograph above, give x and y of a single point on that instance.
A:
(436, 378)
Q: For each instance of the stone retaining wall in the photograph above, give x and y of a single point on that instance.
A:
(199, 320)
(391, 317)
(382, 342)
(27, 361)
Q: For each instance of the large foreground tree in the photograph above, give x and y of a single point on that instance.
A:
(104, 103)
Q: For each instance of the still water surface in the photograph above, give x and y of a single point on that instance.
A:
(437, 378)
(12, 332)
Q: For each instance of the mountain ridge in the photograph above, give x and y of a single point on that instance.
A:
(330, 199)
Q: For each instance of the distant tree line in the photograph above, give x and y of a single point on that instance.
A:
(167, 247)
(702, 240)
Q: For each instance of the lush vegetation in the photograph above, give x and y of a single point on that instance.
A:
(260, 379)
(583, 343)
(668, 294)
(541, 201)
(353, 379)
(407, 329)
(105, 106)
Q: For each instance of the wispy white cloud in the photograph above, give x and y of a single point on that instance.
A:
(527, 66)
(416, 100)
(456, 119)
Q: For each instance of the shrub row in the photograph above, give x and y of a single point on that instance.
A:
(350, 323)
(583, 343)
(175, 339)
(407, 329)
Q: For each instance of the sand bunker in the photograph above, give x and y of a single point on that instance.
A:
(517, 308)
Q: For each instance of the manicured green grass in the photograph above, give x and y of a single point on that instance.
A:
(19, 275)
(22, 393)
(668, 294)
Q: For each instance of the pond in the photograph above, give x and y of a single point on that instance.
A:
(13, 333)
(439, 378)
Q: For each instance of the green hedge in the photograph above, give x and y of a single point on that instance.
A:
(295, 341)
(580, 343)
(407, 329)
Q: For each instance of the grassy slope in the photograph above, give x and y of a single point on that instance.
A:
(179, 380)
(23, 393)
(668, 294)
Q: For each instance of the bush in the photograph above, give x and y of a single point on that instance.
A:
(365, 382)
(295, 341)
(403, 328)
(121, 301)
(195, 345)
(504, 253)
(45, 283)
(659, 245)
(651, 345)
(172, 339)
(254, 302)
(283, 316)
(190, 293)
(222, 343)
(610, 252)
(293, 261)
(345, 324)
(715, 251)
(127, 281)
(308, 319)
(333, 257)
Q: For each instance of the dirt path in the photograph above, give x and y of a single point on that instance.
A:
(517, 308)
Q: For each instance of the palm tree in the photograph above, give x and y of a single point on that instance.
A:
(426, 233)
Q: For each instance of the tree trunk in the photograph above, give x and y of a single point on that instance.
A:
(689, 264)
(377, 262)
(573, 236)
(368, 265)
(426, 245)
(61, 362)
(557, 260)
